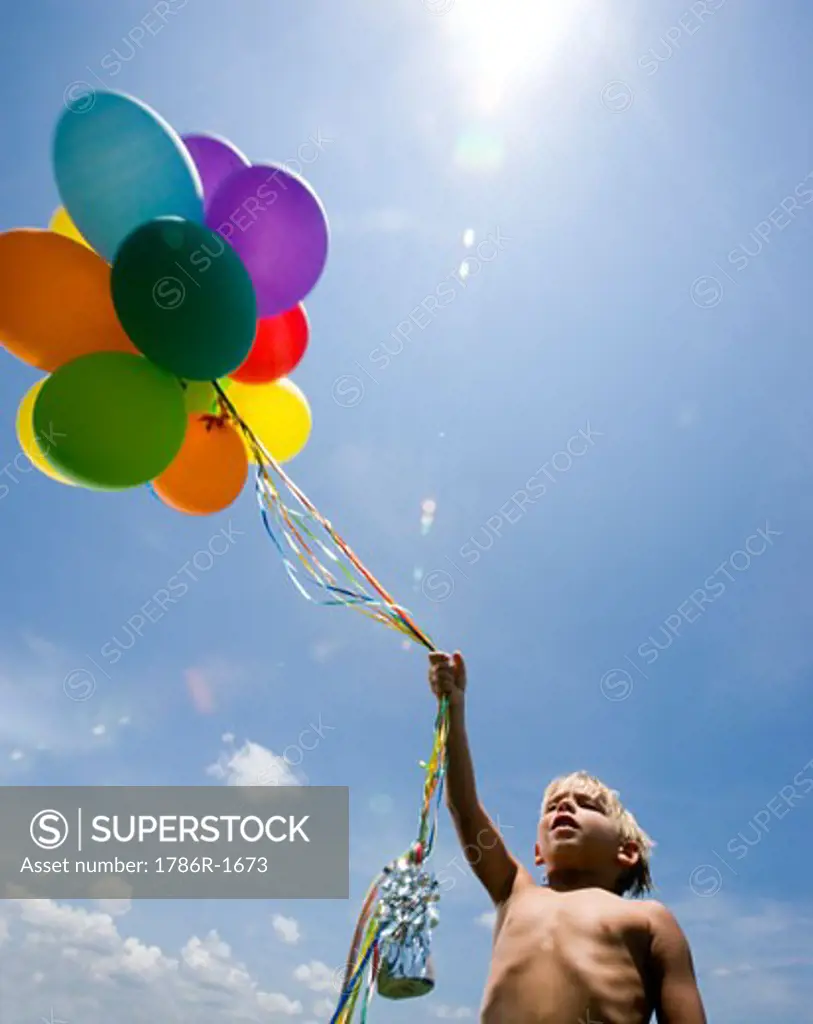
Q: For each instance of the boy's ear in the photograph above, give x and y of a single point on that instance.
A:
(538, 859)
(628, 854)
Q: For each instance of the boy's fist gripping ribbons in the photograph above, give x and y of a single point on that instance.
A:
(447, 676)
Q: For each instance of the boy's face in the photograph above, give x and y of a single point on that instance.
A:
(576, 833)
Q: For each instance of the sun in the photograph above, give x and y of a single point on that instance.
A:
(497, 44)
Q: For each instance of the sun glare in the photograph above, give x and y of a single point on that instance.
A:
(499, 43)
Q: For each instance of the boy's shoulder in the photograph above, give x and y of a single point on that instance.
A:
(658, 911)
(663, 924)
(648, 916)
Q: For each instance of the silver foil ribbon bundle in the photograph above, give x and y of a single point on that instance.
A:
(406, 914)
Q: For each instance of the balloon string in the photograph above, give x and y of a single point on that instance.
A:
(365, 946)
(270, 502)
(354, 598)
(266, 459)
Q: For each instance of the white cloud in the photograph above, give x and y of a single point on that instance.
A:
(452, 1012)
(324, 1008)
(44, 649)
(253, 765)
(114, 907)
(319, 977)
(286, 928)
(96, 974)
(44, 710)
(273, 1002)
(38, 716)
(487, 919)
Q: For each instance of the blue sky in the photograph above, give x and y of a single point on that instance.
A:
(629, 188)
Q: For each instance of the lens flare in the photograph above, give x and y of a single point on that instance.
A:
(428, 509)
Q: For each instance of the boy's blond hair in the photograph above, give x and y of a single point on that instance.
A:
(637, 881)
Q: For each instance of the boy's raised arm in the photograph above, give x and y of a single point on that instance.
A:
(482, 844)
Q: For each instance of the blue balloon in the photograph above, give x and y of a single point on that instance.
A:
(118, 164)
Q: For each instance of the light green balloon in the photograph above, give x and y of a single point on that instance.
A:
(116, 420)
(201, 397)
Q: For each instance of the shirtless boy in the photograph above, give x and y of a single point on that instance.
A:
(572, 951)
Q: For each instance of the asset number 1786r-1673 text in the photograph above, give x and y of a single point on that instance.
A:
(203, 865)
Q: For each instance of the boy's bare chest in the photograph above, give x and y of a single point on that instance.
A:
(562, 954)
(584, 916)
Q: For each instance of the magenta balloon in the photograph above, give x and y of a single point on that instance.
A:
(215, 158)
(276, 223)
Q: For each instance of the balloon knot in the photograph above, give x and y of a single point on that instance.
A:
(213, 421)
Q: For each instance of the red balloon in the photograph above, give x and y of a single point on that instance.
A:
(278, 346)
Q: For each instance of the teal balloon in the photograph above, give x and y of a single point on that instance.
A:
(116, 420)
(185, 299)
(118, 164)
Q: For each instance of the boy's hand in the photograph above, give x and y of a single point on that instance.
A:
(447, 676)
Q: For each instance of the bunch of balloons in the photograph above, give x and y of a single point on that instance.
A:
(173, 271)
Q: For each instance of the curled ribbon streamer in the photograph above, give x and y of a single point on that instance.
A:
(372, 921)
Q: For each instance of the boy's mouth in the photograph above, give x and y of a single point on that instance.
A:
(563, 821)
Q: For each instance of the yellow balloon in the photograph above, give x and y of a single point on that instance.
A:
(28, 439)
(278, 415)
(62, 224)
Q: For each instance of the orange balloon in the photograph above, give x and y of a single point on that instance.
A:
(209, 471)
(55, 300)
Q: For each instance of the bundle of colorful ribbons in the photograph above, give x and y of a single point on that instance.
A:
(390, 951)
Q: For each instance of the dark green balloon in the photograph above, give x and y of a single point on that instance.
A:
(114, 420)
(184, 298)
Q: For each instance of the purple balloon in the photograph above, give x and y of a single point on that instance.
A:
(215, 158)
(277, 225)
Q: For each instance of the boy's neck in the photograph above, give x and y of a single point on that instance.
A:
(568, 880)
